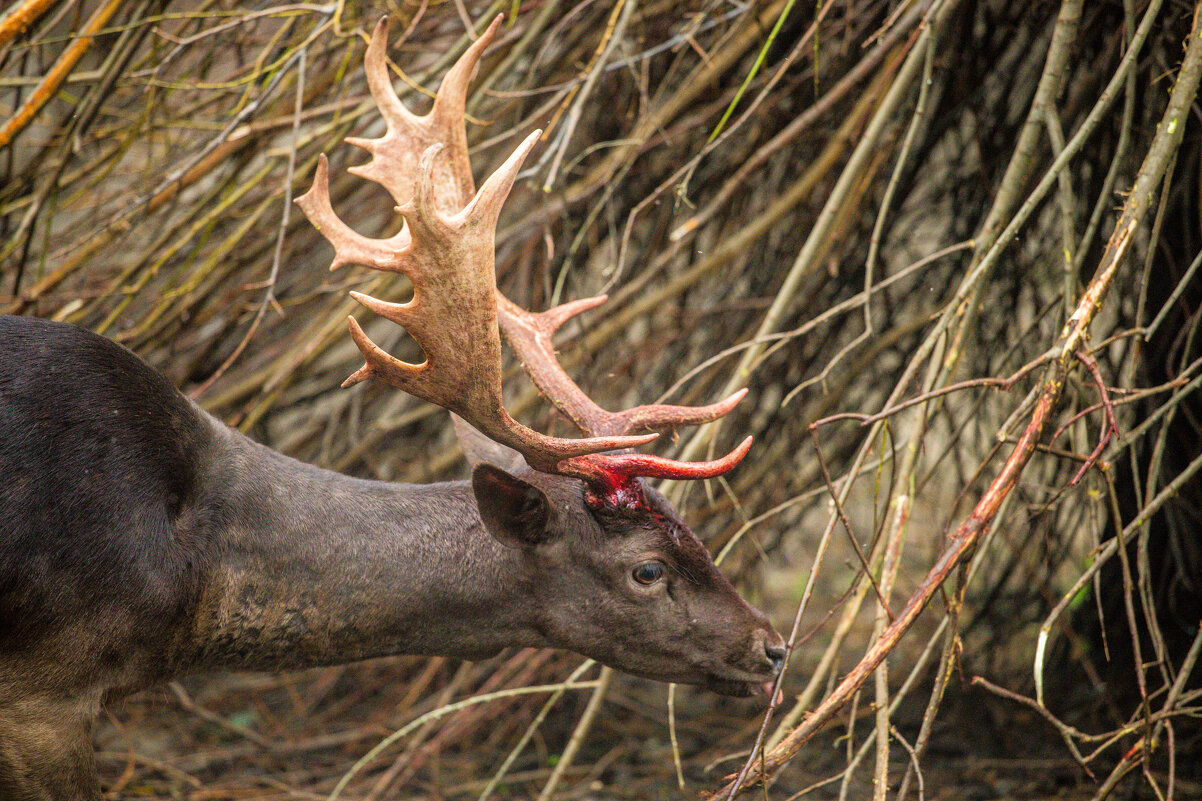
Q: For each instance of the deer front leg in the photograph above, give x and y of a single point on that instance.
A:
(46, 751)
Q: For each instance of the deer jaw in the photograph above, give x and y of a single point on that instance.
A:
(689, 625)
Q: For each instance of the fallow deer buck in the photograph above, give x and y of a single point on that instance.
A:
(141, 539)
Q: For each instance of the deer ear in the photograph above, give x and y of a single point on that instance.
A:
(514, 511)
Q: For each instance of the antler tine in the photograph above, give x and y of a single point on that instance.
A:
(531, 334)
(350, 247)
(395, 155)
(654, 417)
(609, 471)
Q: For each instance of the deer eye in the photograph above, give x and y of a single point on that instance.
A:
(648, 572)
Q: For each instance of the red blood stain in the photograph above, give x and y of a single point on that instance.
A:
(625, 493)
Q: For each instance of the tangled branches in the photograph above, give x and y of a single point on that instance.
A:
(954, 248)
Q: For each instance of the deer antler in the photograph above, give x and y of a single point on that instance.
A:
(446, 249)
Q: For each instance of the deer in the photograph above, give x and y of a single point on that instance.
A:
(142, 539)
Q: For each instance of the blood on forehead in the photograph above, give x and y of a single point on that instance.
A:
(623, 493)
(616, 491)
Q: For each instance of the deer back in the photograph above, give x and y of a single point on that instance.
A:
(102, 462)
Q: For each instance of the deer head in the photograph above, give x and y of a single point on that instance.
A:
(615, 573)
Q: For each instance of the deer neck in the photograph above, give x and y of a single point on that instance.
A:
(316, 568)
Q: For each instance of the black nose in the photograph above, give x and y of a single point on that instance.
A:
(776, 653)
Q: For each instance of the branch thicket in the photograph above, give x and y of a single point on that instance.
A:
(951, 248)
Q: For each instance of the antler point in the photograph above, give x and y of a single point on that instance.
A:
(361, 142)
(360, 375)
(491, 30)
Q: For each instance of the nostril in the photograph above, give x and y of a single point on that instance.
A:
(776, 653)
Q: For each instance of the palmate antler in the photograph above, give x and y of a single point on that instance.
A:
(446, 249)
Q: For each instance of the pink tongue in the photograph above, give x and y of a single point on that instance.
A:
(767, 689)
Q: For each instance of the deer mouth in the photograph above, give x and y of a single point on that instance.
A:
(736, 688)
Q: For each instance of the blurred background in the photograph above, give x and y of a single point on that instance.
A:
(884, 217)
